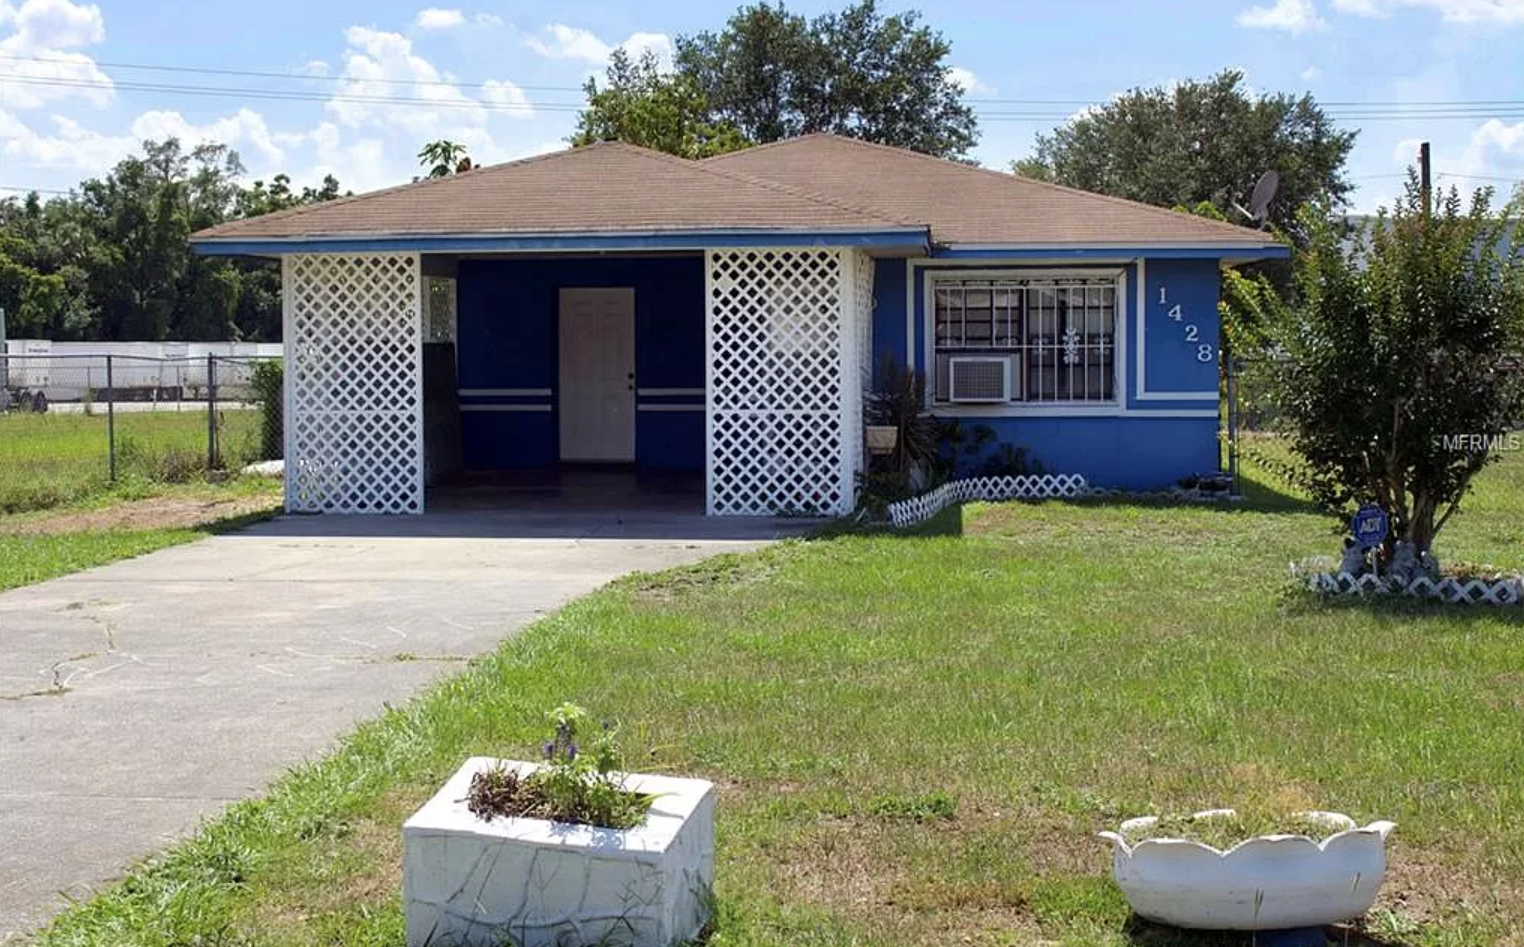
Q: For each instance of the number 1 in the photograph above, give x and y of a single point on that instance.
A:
(1162, 300)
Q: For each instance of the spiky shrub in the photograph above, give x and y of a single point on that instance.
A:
(898, 400)
(1395, 342)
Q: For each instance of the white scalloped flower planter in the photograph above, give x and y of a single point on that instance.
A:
(1266, 883)
(535, 883)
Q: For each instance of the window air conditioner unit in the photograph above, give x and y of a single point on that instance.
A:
(979, 379)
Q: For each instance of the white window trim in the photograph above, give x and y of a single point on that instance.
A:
(1050, 409)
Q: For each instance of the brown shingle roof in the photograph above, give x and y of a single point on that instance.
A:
(968, 205)
(816, 182)
(608, 187)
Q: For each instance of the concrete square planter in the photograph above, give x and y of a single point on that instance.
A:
(534, 883)
(1269, 882)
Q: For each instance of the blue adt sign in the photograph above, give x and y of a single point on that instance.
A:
(1369, 526)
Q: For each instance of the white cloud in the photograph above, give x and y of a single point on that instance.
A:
(73, 145)
(559, 41)
(1492, 156)
(1311, 74)
(1503, 12)
(434, 18)
(487, 19)
(383, 65)
(42, 47)
(1292, 16)
(315, 67)
(967, 81)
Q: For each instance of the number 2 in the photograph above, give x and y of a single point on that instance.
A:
(1190, 333)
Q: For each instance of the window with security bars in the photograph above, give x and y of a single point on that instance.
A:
(1059, 334)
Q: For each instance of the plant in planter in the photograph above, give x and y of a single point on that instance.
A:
(562, 852)
(895, 421)
(1219, 870)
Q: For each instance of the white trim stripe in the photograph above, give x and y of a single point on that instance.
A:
(504, 392)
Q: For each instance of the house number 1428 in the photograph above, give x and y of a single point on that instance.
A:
(1204, 351)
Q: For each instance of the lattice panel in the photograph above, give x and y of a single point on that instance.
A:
(1030, 487)
(354, 378)
(776, 339)
(862, 353)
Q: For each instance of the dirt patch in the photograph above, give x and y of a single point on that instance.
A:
(152, 513)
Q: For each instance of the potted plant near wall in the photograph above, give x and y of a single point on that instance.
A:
(1222, 870)
(565, 851)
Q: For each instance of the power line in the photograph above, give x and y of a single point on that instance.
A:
(1025, 110)
(294, 76)
(360, 98)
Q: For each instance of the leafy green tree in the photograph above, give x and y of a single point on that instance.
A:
(641, 105)
(1200, 141)
(112, 260)
(773, 74)
(443, 158)
(1393, 346)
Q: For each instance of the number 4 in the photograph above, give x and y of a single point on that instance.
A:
(1176, 314)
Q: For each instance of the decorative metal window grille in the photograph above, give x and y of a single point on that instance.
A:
(1060, 334)
(782, 375)
(440, 326)
(354, 383)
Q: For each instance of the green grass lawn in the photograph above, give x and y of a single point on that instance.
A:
(45, 544)
(51, 459)
(1048, 668)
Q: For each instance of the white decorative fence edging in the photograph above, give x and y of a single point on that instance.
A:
(1030, 487)
(1508, 590)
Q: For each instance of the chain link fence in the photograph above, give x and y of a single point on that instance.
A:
(71, 425)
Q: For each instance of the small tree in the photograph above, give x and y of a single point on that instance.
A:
(443, 158)
(641, 105)
(1393, 373)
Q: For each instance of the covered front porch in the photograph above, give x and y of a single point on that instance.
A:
(739, 370)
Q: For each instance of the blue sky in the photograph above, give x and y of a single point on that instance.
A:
(519, 65)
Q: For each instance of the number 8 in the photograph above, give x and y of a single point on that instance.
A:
(1204, 353)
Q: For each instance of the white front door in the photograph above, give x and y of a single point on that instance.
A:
(596, 393)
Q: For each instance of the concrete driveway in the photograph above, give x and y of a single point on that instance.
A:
(141, 697)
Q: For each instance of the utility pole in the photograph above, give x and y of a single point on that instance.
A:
(1425, 178)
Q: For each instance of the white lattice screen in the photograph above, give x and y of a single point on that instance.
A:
(855, 401)
(782, 367)
(354, 383)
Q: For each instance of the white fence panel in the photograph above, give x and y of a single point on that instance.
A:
(777, 369)
(354, 383)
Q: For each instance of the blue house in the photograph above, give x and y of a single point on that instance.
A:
(614, 305)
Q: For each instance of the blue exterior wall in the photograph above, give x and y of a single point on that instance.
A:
(508, 338)
(1144, 440)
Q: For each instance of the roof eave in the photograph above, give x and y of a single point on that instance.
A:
(913, 240)
(1241, 252)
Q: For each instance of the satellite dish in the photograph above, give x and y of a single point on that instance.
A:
(1259, 201)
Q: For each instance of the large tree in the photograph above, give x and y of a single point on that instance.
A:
(1392, 356)
(642, 105)
(111, 261)
(1200, 141)
(773, 74)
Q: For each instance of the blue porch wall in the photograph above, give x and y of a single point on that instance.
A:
(1145, 442)
(508, 338)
